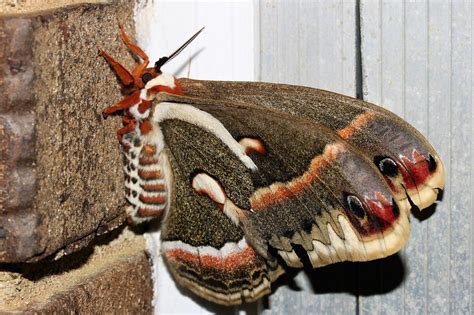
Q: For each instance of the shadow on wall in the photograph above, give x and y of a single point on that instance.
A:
(359, 279)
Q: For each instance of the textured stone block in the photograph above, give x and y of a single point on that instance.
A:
(60, 169)
(110, 278)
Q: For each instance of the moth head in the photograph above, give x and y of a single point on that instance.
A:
(142, 77)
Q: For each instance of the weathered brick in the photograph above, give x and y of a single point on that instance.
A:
(112, 277)
(60, 169)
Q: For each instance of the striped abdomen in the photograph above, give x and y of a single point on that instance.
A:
(146, 186)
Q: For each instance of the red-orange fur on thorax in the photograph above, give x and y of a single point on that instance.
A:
(134, 83)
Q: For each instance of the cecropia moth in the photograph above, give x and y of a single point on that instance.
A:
(245, 172)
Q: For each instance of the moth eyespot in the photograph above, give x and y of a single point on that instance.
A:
(355, 206)
(386, 165)
(431, 163)
(146, 77)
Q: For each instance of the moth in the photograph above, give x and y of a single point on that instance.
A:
(251, 178)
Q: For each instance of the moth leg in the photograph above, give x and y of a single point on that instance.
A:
(126, 103)
(137, 51)
(125, 77)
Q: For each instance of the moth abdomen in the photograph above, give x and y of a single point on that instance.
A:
(146, 186)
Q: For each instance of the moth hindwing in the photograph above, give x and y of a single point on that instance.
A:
(253, 177)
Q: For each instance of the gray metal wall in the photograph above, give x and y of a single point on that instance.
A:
(415, 58)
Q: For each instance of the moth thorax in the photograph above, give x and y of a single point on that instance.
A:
(146, 184)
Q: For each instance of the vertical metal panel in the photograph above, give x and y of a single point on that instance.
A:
(417, 61)
(416, 102)
(439, 129)
(311, 43)
(461, 188)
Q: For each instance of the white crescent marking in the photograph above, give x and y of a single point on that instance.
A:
(204, 120)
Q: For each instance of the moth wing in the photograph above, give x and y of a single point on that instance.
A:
(407, 161)
(297, 189)
(204, 250)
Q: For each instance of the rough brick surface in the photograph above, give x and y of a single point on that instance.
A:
(112, 277)
(60, 169)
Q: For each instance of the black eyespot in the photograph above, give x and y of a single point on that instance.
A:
(134, 194)
(146, 77)
(356, 206)
(431, 163)
(134, 180)
(386, 165)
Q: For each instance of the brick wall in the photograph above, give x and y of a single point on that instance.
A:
(60, 169)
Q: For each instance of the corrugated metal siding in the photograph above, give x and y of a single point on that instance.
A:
(416, 61)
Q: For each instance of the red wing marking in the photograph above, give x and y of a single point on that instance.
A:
(355, 125)
(389, 182)
(234, 260)
(181, 254)
(417, 170)
(265, 197)
(382, 208)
